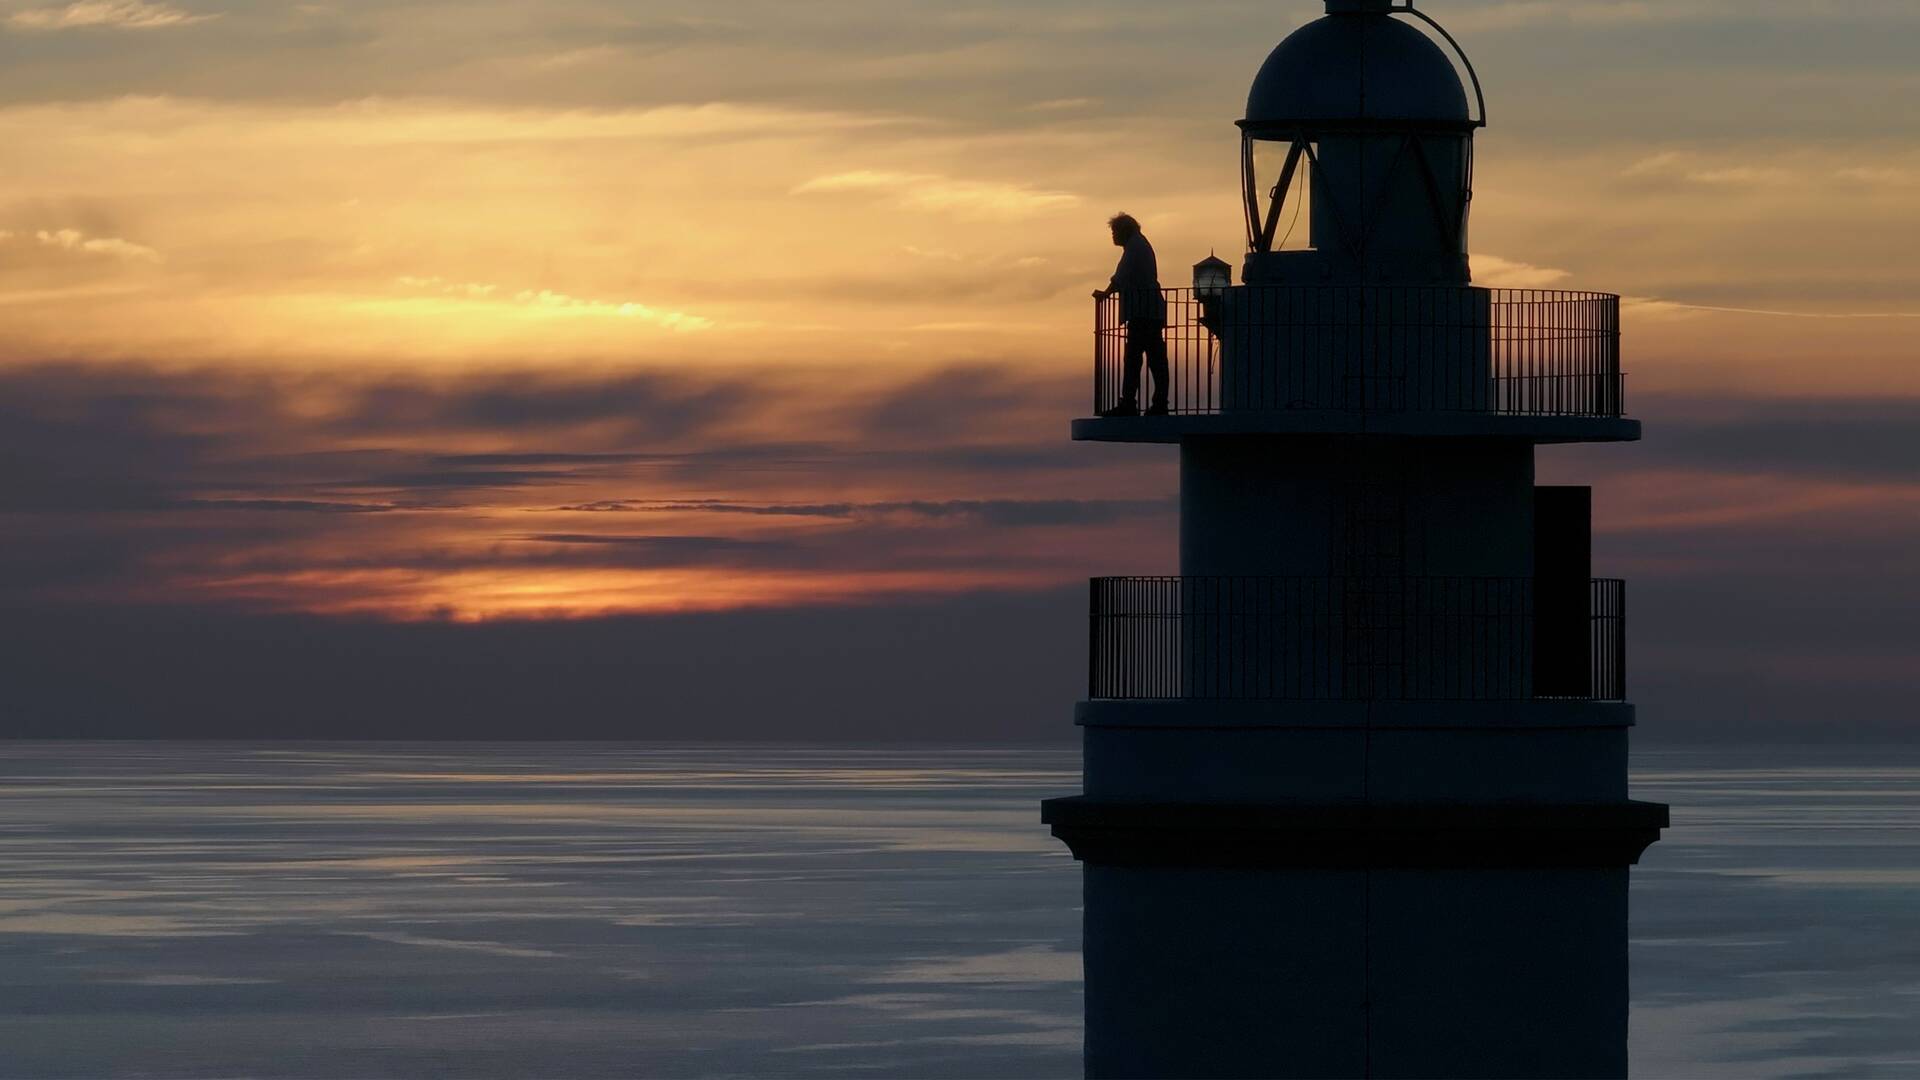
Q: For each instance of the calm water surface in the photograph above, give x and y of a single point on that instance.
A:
(309, 910)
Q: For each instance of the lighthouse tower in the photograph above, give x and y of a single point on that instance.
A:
(1355, 795)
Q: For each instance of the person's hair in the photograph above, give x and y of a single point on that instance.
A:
(1123, 224)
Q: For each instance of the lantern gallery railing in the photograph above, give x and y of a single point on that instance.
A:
(1355, 639)
(1378, 348)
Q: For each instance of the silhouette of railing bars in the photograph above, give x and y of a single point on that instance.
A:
(1379, 348)
(1333, 639)
(1609, 639)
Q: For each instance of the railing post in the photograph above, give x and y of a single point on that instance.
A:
(1094, 644)
(1620, 642)
(1099, 354)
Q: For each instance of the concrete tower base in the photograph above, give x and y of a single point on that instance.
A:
(1356, 889)
(1355, 940)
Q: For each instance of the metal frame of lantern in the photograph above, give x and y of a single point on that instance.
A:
(1212, 277)
(1303, 134)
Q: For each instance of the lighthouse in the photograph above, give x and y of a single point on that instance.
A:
(1355, 781)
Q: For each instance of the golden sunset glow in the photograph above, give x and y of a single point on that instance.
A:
(387, 309)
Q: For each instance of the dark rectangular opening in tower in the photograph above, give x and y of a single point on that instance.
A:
(1562, 591)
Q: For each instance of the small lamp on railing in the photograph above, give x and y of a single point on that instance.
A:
(1211, 277)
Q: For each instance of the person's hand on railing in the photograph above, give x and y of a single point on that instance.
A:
(1102, 294)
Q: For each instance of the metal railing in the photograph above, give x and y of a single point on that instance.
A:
(1378, 348)
(1350, 639)
(1607, 638)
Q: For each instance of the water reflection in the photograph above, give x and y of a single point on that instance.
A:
(196, 909)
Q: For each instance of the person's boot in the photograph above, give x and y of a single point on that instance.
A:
(1125, 408)
(1158, 408)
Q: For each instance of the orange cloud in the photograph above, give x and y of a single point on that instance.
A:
(927, 191)
(118, 14)
(76, 241)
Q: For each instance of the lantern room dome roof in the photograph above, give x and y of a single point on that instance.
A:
(1364, 65)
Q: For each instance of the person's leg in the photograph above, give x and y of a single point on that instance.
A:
(1130, 384)
(1156, 353)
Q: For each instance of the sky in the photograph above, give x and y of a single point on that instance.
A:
(706, 367)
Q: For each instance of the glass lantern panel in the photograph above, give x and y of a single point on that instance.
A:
(1290, 230)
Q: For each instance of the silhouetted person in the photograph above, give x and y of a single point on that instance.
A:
(1144, 310)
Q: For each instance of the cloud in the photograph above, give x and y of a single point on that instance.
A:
(117, 14)
(295, 506)
(127, 437)
(138, 493)
(1060, 105)
(390, 495)
(1743, 176)
(933, 254)
(1003, 512)
(1492, 270)
(767, 674)
(636, 541)
(676, 547)
(1879, 176)
(470, 289)
(627, 409)
(931, 191)
(1678, 165)
(1865, 440)
(1514, 14)
(76, 241)
(548, 302)
(1659, 308)
(544, 458)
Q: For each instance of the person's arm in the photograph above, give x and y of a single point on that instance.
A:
(1127, 274)
(1123, 274)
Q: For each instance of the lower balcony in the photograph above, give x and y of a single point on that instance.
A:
(1357, 639)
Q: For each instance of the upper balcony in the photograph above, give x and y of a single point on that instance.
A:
(1536, 364)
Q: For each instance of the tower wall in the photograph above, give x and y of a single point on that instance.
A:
(1355, 506)
(1306, 972)
(1346, 340)
(1338, 752)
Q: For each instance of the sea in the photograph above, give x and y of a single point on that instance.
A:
(669, 910)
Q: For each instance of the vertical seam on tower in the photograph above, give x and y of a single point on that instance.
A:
(1366, 897)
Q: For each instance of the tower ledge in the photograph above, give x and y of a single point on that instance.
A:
(1534, 429)
(1535, 715)
(1355, 836)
